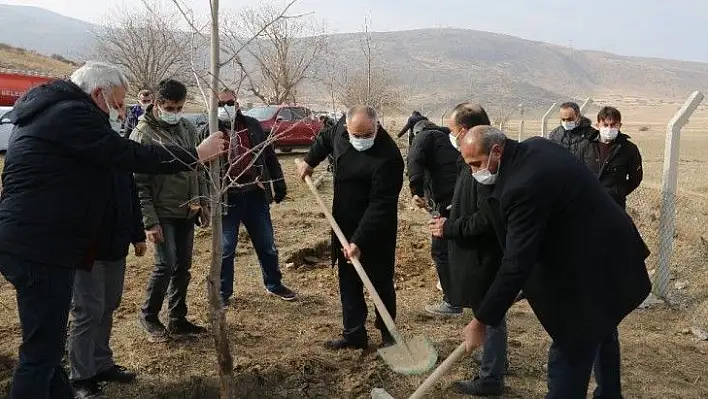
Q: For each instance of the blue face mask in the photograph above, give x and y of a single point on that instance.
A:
(361, 144)
(169, 117)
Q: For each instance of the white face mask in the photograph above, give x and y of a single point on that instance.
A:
(608, 134)
(113, 114)
(568, 125)
(453, 141)
(169, 117)
(227, 112)
(484, 176)
(361, 144)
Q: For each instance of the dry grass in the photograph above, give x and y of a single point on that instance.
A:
(25, 60)
(277, 345)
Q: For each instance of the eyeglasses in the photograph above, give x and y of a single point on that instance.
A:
(229, 103)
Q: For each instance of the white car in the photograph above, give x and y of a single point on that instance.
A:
(5, 128)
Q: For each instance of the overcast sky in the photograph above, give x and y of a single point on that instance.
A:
(669, 29)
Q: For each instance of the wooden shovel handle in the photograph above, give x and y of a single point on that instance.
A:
(442, 369)
(385, 315)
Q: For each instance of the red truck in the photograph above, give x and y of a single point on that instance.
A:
(13, 84)
(293, 125)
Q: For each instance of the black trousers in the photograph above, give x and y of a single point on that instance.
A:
(351, 290)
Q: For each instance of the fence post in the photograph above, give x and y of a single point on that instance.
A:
(586, 104)
(521, 129)
(544, 120)
(669, 181)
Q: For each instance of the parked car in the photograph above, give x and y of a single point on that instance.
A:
(5, 128)
(294, 126)
(198, 119)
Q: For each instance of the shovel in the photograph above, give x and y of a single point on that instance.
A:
(414, 357)
(380, 393)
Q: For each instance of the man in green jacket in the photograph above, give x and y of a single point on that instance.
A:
(171, 206)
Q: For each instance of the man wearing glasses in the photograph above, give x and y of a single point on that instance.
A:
(368, 177)
(255, 180)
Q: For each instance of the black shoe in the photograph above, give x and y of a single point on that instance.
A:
(343, 343)
(283, 293)
(386, 339)
(185, 327)
(116, 374)
(479, 387)
(155, 329)
(86, 389)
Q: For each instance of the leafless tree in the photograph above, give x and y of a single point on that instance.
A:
(373, 85)
(146, 44)
(285, 49)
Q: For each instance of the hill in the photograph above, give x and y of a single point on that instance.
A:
(438, 67)
(28, 60)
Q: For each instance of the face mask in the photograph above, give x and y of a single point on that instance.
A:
(568, 125)
(113, 114)
(227, 112)
(453, 141)
(484, 176)
(608, 134)
(169, 117)
(360, 144)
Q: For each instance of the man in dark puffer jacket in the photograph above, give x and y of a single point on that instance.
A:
(575, 132)
(432, 171)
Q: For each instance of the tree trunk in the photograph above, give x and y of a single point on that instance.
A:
(217, 315)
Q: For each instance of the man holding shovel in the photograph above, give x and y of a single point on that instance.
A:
(368, 177)
(548, 200)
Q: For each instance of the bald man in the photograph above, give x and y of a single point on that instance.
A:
(575, 253)
(368, 177)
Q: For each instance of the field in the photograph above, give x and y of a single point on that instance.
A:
(277, 346)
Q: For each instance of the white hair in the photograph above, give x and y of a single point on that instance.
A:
(98, 75)
(370, 112)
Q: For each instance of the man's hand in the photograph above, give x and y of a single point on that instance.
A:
(420, 202)
(212, 146)
(154, 234)
(474, 335)
(436, 226)
(140, 248)
(352, 252)
(204, 218)
(303, 169)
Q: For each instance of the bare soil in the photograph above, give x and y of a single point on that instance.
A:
(277, 346)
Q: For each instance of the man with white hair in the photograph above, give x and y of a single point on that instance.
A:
(368, 177)
(57, 184)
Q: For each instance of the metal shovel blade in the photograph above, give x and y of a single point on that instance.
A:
(415, 356)
(380, 393)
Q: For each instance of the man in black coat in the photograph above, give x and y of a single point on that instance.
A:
(475, 254)
(617, 163)
(548, 199)
(368, 177)
(432, 172)
(249, 196)
(56, 190)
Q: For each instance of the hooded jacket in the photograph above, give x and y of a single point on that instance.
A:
(169, 196)
(58, 175)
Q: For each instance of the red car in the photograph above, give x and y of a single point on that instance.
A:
(293, 125)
